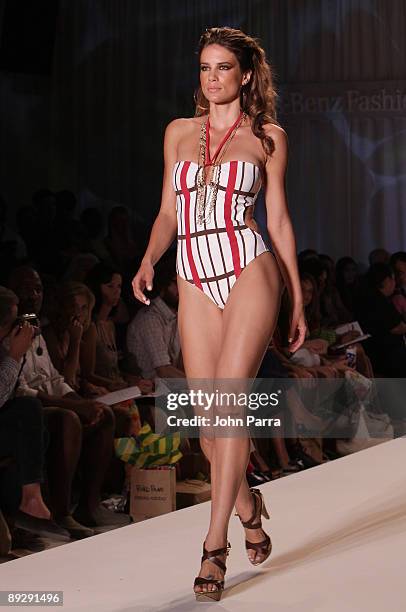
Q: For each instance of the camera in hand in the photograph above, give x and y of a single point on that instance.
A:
(32, 319)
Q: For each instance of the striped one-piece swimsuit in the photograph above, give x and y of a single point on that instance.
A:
(212, 256)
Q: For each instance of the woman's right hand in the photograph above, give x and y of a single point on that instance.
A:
(142, 280)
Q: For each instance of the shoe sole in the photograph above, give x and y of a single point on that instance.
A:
(215, 596)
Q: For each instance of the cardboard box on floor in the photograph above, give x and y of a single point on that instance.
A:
(190, 492)
(154, 491)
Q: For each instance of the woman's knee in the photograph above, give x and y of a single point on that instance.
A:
(64, 421)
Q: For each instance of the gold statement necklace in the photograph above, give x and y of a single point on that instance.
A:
(213, 165)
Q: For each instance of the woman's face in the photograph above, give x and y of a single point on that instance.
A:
(80, 308)
(220, 74)
(307, 292)
(111, 291)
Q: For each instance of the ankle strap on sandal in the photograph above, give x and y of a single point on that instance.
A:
(250, 524)
(211, 555)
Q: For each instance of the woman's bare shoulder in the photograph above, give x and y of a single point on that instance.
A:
(276, 132)
(184, 123)
(278, 159)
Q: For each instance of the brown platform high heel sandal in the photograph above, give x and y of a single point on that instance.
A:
(211, 555)
(265, 547)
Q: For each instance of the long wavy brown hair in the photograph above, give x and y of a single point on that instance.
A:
(258, 96)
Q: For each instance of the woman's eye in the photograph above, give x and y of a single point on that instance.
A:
(224, 67)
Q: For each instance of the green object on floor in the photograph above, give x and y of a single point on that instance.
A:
(149, 449)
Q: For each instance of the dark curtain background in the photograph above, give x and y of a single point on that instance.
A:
(123, 69)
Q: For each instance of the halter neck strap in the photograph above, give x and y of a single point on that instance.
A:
(210, 161)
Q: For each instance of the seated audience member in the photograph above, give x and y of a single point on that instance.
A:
(69, 319)
(398, 263)
(333, 311)
(312, 355)
(22, 433)
(347, 281)
(378, 256)
(152, 336)
(317, 332)
(379, 317)
(100, 356)
(78, 428)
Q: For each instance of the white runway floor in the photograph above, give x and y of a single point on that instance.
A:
(339, 536)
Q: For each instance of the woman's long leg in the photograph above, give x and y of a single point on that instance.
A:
(200, 325)
(221, 338)
(248, 326)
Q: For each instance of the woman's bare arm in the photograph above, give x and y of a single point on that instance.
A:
(278, 219)
(164, 229)
(280, 226)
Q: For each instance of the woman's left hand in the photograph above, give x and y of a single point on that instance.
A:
(298, 329)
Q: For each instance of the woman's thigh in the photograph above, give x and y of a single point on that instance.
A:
(249, 318)
(219, 345)
(200, 324)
